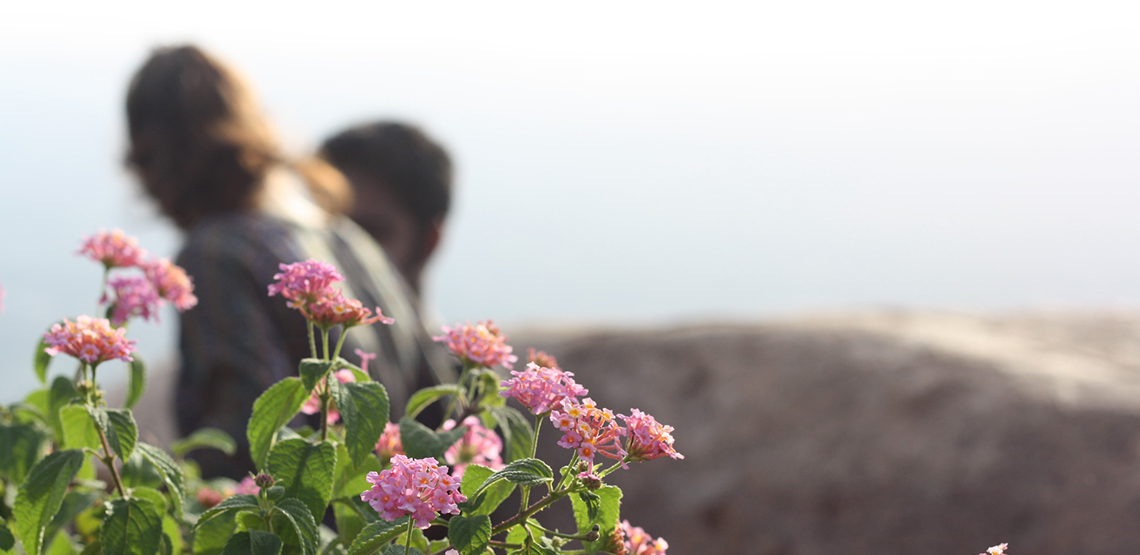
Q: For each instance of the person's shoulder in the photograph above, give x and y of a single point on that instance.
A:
(238, 237)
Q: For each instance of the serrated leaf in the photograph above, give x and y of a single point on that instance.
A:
(136, 381)
(374, 537)
(352, 479)
(118, 426)
(428, 395)
(254, 542)
(469, 535)
(152, 495)
(205, 438)
(78, 428)
(606, 515)
(39, 498)
(483, 502)
(22, 445)
(420, 442)
(231, 504)
(133, 527)
(272, 411)
(170, 472)
(525, 472)
(305, 470)
(41, 360)
(312, 370)
(74, 503)
(518, 435)
(364, 409)
(302, 522)
(211, 535)
(401, 550)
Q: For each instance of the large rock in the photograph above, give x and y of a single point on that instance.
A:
(880, 433)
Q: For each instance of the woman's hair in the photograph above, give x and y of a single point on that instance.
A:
(199, 143)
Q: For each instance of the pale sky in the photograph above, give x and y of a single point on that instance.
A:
(636, 162)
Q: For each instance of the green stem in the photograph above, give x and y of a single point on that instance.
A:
(340, 343)
(525, 514)
(108, 459)
(325, 409)
(325, 340)
(408, 540)
(533, 452)
(312, 340)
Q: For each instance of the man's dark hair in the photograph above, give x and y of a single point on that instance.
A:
(402, 156)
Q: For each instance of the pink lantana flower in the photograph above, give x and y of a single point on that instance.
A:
(171, 283)
(637, 542)
(389, 443)
(419, 488)
(365, 358)
(541, 389)
(334, 309)
(478, 445)
(996, 550)
(541, 358)
(92, 340)
(114, 250)
(134, 296)
(305, 282)
(647, 439)
(480, 345)
(313, 403)
(588, 430)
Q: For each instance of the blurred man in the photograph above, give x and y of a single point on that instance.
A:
(402, 181)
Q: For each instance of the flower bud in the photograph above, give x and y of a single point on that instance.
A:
(264, 481)
(583, 466)
(591, 480)
(593, 534)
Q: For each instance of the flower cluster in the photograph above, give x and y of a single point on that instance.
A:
(541, 389)
(308, 287)
(480, 345)
(171, 282)
(138, 296)
(647, 439)
(589, 430)
(996, 550)
(389, 444)
(416, 487)
(541, 358)
(92, 340)
(313, 403)
(637, 542)
(477, 446)
(134, 296)
(114, 249)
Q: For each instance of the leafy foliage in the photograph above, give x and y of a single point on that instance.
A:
(272, 411)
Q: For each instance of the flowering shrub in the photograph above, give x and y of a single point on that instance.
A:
(381, 482)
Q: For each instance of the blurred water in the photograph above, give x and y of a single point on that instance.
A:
(691, 166)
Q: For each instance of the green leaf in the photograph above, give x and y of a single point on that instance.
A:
(349, 522)
(420, 441)
(401, 550)
(486, 501)
(352, 479)
(173, 533)
(305, 470)
(170, 472)
(525, 472)
(41, 360)
(152, 495)
(469, 535)
(133, 527)
(517, 432)
(606, 515)
(312, 370)
(424, 397)
(118, 425)
(61, 394)
(40, 496)
(74, 503)
(302, 522)
(136, 381)
(205, 438)
(228, 505)
(364, 408)
(78, 428)
(20, 446)
(254, 542)
(7, 540)
(211, 535)
(272, 411)
(375, 536)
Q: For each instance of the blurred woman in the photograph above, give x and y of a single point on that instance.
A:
(204, 152)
